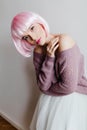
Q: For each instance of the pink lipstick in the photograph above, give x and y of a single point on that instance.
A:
(38, 41)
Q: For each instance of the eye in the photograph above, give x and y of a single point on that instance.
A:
(32, 28)
(25, 37)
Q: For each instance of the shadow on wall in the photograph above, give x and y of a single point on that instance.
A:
(13, 68)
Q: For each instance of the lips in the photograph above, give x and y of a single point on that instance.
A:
(38, 41)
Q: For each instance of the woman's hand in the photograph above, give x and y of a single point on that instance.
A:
(52, 46)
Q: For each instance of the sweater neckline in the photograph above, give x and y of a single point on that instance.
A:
(67, 50)
(59, 53)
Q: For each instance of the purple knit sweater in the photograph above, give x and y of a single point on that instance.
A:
(62, 74)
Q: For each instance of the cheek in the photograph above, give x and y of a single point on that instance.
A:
(40, 32)
(44, 36)
(43, 33)
(43, 39)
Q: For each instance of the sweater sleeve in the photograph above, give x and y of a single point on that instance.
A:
(44, 69)
(68, 73)
(38, 59)
(67, 66)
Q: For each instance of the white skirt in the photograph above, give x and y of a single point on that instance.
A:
(60, 112)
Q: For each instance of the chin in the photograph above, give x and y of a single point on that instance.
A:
(42, 43)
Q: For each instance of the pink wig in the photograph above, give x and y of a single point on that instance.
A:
(20, 23)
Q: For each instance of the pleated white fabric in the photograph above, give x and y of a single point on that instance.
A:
(60, 113)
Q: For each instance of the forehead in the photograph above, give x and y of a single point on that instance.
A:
(29, 29)
(34, 24)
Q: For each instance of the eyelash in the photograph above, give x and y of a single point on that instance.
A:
(26, 37)
(32, 28)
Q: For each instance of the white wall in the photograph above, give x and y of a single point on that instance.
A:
(18, 90)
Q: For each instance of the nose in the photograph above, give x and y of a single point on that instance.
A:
(32, 37)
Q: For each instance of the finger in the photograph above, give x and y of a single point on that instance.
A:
(54, 44)
(54, 49)
(55, 39)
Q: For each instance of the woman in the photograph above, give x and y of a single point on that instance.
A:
(59, 66)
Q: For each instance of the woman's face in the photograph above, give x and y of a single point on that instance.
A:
(35, 35)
